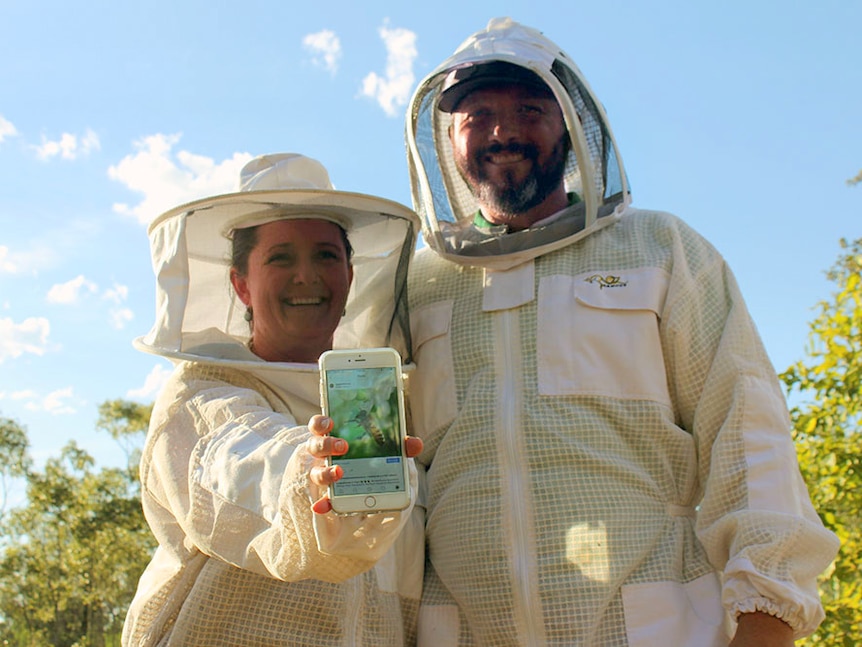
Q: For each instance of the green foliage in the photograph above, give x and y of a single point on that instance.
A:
(14, 459)
(127, 423)
(829, 442)
(73, 554)
(13, 439)
(122, 418)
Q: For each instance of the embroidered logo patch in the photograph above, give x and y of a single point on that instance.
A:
(608, 281)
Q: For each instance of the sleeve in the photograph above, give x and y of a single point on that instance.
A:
(226, 474)
(755, 519)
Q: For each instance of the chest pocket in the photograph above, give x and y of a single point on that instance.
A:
(598, 334)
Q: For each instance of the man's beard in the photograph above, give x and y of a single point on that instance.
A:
(512, 198)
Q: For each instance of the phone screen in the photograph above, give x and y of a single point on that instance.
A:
(363, 405)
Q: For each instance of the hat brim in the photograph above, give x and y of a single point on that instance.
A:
(450, 99)
(467, 79)
(249, 208)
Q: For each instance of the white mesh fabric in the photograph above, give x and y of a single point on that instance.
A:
(554, 501)
(231, 608)
(238, 560)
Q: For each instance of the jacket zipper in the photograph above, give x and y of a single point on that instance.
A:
(527, 607)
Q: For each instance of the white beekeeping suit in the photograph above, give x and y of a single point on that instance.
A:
(608, 450)
(242, 560)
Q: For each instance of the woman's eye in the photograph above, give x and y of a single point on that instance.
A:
(280, 258)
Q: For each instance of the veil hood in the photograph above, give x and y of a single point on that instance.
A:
(199, 317)
(443, 200)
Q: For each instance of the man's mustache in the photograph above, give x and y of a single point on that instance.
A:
(527, 150)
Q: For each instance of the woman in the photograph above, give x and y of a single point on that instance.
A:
(228, 475)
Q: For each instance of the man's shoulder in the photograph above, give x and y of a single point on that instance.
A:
(427, 260)
(666, 234)
(658, 223)
(653, 217)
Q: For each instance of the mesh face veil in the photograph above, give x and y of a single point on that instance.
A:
(446, 206)
(190, 245)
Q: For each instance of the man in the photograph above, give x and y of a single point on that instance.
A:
(608, 450)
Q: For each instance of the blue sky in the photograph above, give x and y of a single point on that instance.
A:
(743, 118)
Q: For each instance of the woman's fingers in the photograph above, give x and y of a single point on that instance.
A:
(322, 445)
(322, 506)
(320, 425)
(413, 446)
(324, 476)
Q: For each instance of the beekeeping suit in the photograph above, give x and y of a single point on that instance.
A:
(609, 459)
(242, 560)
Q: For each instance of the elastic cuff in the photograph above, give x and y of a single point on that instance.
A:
(769, 607)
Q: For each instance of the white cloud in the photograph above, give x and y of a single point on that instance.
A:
(117, 294)
(55, 402)
(69, 146)
(325, 48)
(7, 264)
(45, 251)
(167, 180)
(17, 262)
(393, 90)
(29, 336)
(7, 129)
(18, 395)
(69, 293)
(152, 384)
(119, 317)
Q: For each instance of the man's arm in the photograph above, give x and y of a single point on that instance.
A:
(762, 630)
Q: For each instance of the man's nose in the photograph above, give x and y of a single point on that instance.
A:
(504, 129)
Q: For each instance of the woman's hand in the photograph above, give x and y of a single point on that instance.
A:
(322, 446)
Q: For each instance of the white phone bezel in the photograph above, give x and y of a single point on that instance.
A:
(368, 358)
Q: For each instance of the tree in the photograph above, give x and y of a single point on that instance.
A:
(829, 441)
(127, 423)
(14, 457)
(74, 552)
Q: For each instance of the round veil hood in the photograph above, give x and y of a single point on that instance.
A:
(199, 317)
(443, 200)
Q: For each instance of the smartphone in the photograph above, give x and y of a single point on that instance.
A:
(363, 392)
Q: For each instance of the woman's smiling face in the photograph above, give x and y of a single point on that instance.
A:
(296, 284)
